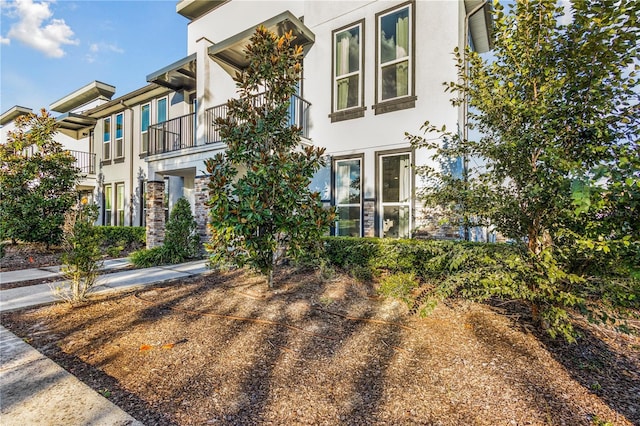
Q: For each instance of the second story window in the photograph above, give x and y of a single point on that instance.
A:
(347, 80)
(106, 154)
(162, 110)
(347, 71)
(120, 135)
(145, 119)
(394, 69)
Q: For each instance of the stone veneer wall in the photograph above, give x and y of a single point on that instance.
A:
(155, 213)
(201, 211)
(369, 218)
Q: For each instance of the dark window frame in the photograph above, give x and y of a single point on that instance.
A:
(404, 102)
(353, 112)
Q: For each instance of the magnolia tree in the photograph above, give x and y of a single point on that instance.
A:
(557, 108)
(260, 204)
(37, 181)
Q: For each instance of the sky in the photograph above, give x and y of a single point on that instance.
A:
(49, 49)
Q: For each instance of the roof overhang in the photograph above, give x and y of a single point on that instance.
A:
(92, 91)
(75, 125)
(231, 52)
(480, 25)
(193, 9)
(75, 122)
(181, 75)
(13, 113)
(138, 96)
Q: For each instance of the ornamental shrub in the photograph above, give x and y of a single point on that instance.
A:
(480, 271)
(82, 258)
(181, 241)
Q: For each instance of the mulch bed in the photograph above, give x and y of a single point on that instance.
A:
(223, 349)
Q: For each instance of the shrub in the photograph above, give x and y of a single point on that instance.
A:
(362, 273)
(182, 237)
(399, 285)
(181, 242)
(479, 271)
(81, 260)
(153, 257)
(123, 237)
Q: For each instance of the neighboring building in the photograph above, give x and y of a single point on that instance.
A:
(372, 71)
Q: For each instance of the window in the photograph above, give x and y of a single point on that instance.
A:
(107, 205)
(348, 72)
(145, 117)
(394, 52)
(162, 110)
(106, 139)
(395, 185)
(120, 204)
(120, 135)
(166, 201)
(348, 200)
(143, 203)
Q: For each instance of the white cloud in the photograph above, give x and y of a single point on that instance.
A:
(37, 28)
(95, 49)
(4, 40)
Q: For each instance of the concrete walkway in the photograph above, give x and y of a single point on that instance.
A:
(36, 391)
(47, 272)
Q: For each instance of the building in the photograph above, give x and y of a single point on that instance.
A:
(372, 70)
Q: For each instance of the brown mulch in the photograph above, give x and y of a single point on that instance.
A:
(27, 256)
(223, 349)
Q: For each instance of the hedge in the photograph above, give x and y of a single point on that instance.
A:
(122, 235)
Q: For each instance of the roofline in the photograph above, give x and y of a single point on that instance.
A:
(94, 90)
(13, 113)
(193, 9)
(120, 103)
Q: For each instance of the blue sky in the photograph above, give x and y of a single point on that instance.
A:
(48, 49)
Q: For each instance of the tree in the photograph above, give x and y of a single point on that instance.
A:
(260, 204)
(37, 181)
(181, 236)
(181, 241)
(82, 257)
(557, 109)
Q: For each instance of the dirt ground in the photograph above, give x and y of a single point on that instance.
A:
(223, 349)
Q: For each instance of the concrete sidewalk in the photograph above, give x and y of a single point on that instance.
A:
(34, 389)
(47, 272)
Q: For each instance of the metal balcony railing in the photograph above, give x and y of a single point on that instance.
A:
(172, 135)
(85, 161)
(298, 116)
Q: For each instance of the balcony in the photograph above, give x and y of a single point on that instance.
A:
(179, 133)
(85, 161)
(172, 135)
(298, 116)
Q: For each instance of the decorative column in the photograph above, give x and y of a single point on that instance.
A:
(200, 209)
(155, 213)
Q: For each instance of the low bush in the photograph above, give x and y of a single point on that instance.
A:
(181, 243)
(160, 255)
(81, 259)
(400, 286)
(127, 237)
(480, 271)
